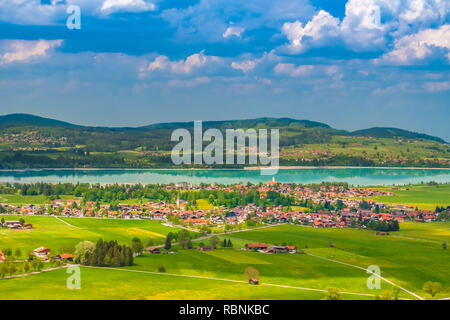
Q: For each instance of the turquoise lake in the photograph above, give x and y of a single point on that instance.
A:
(354, 176)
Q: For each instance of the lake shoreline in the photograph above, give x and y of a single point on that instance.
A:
(219, 169)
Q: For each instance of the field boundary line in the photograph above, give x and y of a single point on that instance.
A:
(227, 280)
(379, 276)
(57, 218)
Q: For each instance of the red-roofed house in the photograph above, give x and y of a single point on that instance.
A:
(258, 246)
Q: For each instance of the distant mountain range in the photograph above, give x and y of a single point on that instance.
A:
(288, 124)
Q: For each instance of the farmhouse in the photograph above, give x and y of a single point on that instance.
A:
(13, 224)
(278, 249)
(282, 249)
(292, 249)
(154, 250)
(64, 256)
(261, 246)
(42, 252)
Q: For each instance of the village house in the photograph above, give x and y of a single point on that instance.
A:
(63, 257)
(256, 246)
(154, 250)
(42, 252)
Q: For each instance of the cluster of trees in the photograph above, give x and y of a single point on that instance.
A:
(441, 209)
(183, 237)
(242, 198)
(383, 225)
(103, 253)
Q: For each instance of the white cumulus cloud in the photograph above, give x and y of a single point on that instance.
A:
(233, 31)
(127, 5)
(23, 50)
(194, 61)
(419, 46)
(320, 28)
(367, 24)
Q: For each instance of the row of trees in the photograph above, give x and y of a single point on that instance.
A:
(9, 267)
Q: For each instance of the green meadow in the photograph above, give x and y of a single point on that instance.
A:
(56, 233)
(409, 258)
(18, 199)
(97, 284)
(425, 197)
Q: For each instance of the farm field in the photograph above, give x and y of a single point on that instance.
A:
(97, 284)
(424, 197)
(56, 233)
(409, 257)
(393, 254)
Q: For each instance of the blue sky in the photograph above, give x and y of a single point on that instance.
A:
(352, 64)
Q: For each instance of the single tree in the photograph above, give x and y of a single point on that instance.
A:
(26, 267)
(12, 269)
(333, 294)
(395, 293)
(214, 240)
(168, 243)
(183, 238)
(149, 242)
(136, 246)
(251, 274)
(83, 251)
(386, 295)
(432, 288)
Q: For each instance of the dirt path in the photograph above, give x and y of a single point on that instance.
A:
(361, 268)
(71, 225)
(227, 280)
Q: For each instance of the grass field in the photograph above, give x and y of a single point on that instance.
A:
(57, 233)
(17, 199)
(115, 284)
(424, 197)
(408, 258)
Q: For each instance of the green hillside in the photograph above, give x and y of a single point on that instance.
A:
(28, 141)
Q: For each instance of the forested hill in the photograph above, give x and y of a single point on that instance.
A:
(31, 141)
(292, 131)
